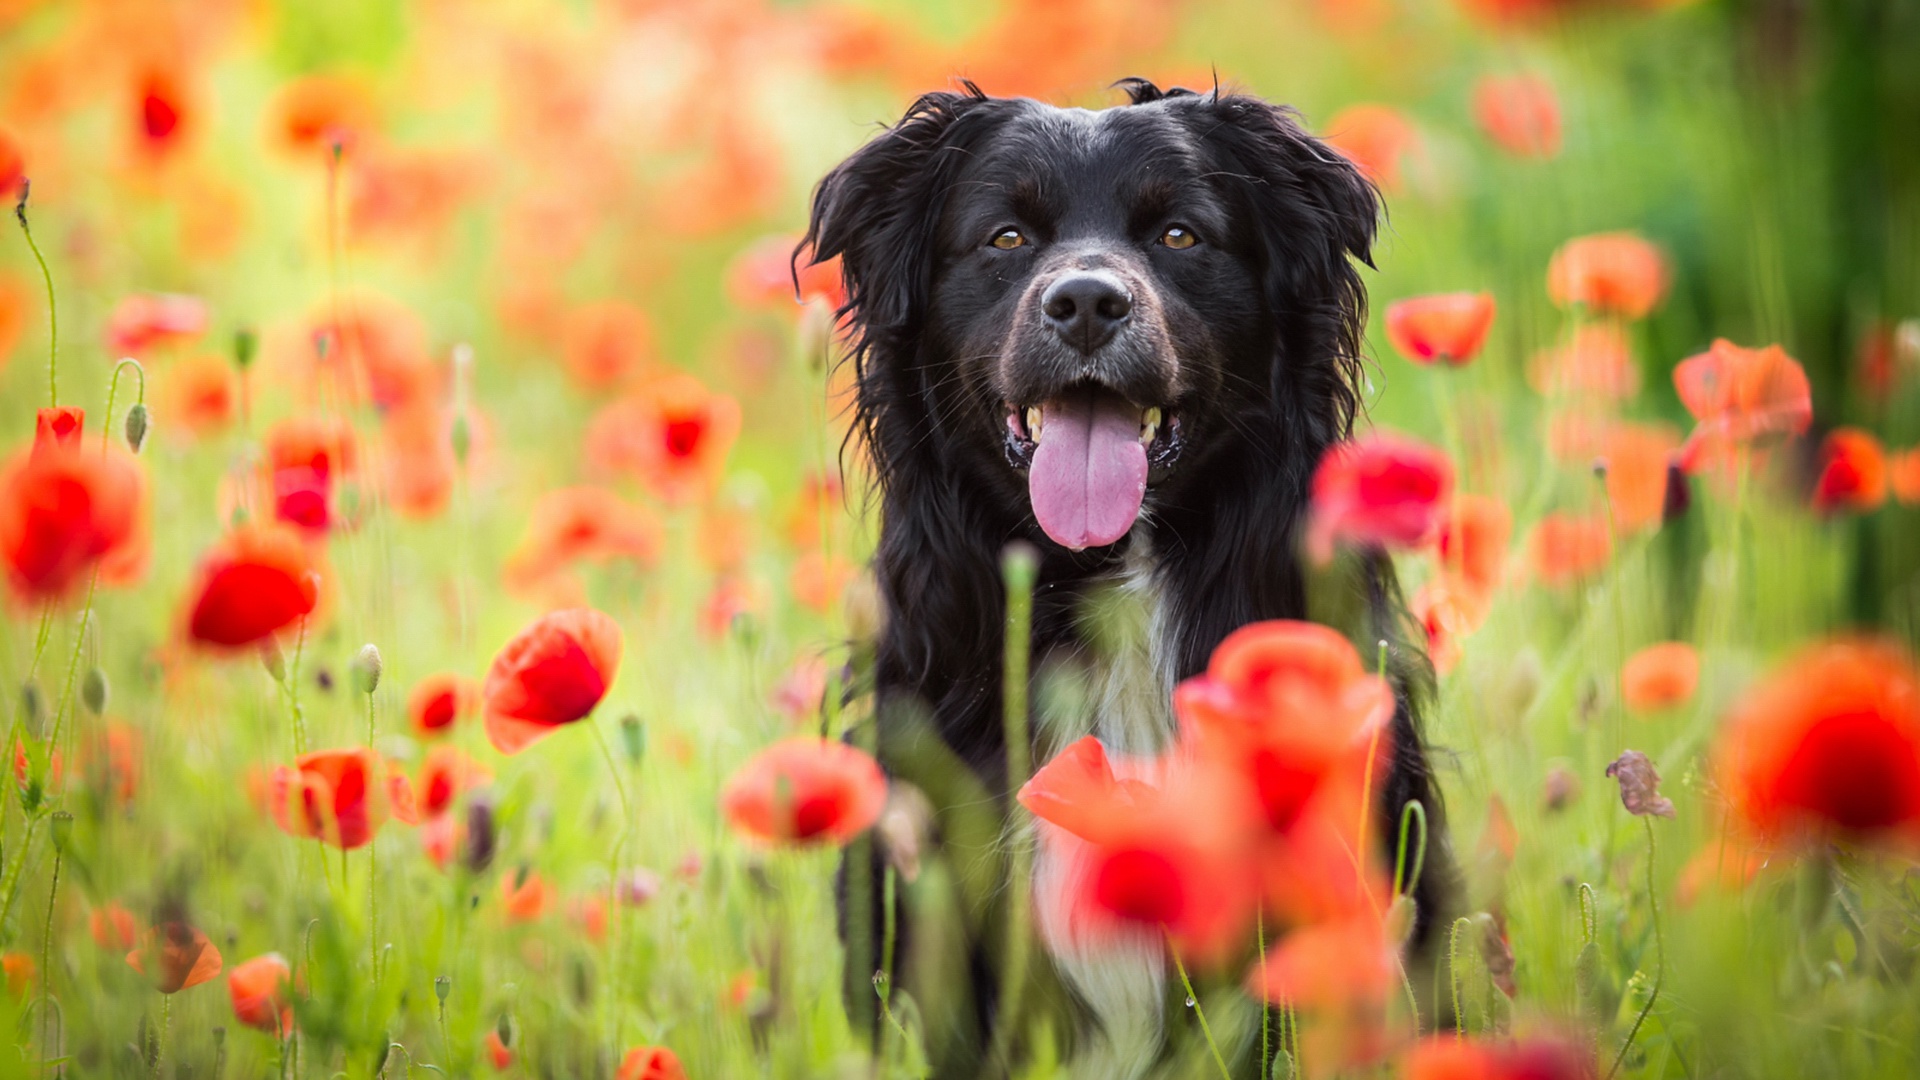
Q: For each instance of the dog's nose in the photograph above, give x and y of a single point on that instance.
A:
(1086, 308)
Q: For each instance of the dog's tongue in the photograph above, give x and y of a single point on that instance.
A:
(1090, 471)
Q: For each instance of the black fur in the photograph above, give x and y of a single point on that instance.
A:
(1253, 339)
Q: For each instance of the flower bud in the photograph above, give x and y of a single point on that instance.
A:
(93, 691)
(30, 706)
(479, 853)
(62, 830)
(366, 669)
(462, 439)
(633, 738)
(245, 344)
(442, 986)
(137, 420)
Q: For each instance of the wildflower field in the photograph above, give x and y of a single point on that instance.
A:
(435, 617)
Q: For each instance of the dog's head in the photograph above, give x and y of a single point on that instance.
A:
(1092, 306)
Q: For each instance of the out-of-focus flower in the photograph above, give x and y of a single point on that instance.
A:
(1448, 611)
(1471, 543)
(162, 115)
(1444, 327)
(439, 700)
(1373, 137)
(339, 797)
(1639, 785)
(762, 276)
(1637, 457)
(376, 350)
(175, 956)
(1377, 491)
(64, 509)
(1334, 965)
(1740, 398)
(1520, 113)
(112, 761)
(608, 344)
(673, 436)
(551, 674)
(314, 114)
(802, 688)
(112, 926)
(1853, 472)
(259, 988)
(817, 508)
(1903, 475)
(13, 169)
(1446, 1057)
(199, 396)
(1660, 676)
(143, 321)
(1596, 363)
(805, 790)
(255, 581)
(1727, 863)
(650, 1063)
(1567, 547)
(590, 914)
(441, 838)
(819, 580)
(640, 886)
(524, 896)
(58, 427)
(497, 1051)
(20, 971)
(305, 457)
(420, 460)
(13, 305)
(581, 524)
(1828, 744)
(447, 772)
(1608, 274)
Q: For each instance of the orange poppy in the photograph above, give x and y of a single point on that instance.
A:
(607, 344)
(1520, 113)
(339, 797)
(1903, 475)
(820, 504)
(64, 510)
(1447, 327)
(525, 896)
(446, 773)
(1448, 612)
(1741, 396)
(590, 914)
(1471, 542)
(1660, 676)
(13, 312)
(1608, 274)
(650, 1063)
(199, 396)
(1567, 547)
(112, 926)
(162, 114)
(13, 168)
(400, 799)
(1446, 1057)
(175, 956)
(1377, 491)
(497, 1051)
(437, 701)
(1341, 965)
(1853, 472)
(140, 322)
(1596, 363)
(819, 580)
(254, 582)
(1829, 743)
(763, 275)
(1728, 864)
(805, 790)
(673, 436)
(420, 463)
(259, 992)
(319, 112)
(576, 524)
(1637, 457)
(1373, 137)
(377, 351)
(112, 761)
(551, 674)
(20, 971)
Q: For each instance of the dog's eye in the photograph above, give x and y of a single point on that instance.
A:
(1179, 237)
(1008, 239)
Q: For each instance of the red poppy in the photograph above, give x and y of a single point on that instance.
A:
(497, 1051)
(1829, 743)
(1448, 327)
(805, 790)
(13, 169)
(161, 111)
(581, 524)
(1448, 611)
(1377, 491)
(20, 971)
(446, 773)
(819, 580)
(319, 112)
(59, 427)
(1903, 475)
(1727, 863)
(673, 436)
(1077, 790)
(63, 509)
(1339, 965)
(650, 1063)
(1660, 676)
(175, 956)
(143, 321)
(1471, 543)
(1740, 397)
(1853, 472)
(1450, 1058)
(259, 989)
(608, 344)
(305, 456)
(442, 837)
(762, 276)
(439, 700)
(339, 797)
(1637, 457)
(199, 396)
(1520, 113)
(1373, 137)
(1596, 364)
(1567, 547)
(255, 581)
(552, 673)
(420, 462)
(1608, 274)
(525, 896)
(112, 926)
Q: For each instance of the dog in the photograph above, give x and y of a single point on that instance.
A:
(1125, 337)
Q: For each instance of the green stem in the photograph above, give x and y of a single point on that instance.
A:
(53, 311)
(1453, 976)
(46, 954)
(1019, 567)
(113, 392)
(166, 1029)
(1405, 883)
(1260, 942)
(1193, 999)
(1659, 956)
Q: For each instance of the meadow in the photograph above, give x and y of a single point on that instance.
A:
(432, 553)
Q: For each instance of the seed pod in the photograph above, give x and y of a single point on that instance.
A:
(245, 344)
(462, 439)
(442, 986)
(137, 421)
(62, 829)
(93, 691)
(633, 738)
(366, 669)
(479, 853)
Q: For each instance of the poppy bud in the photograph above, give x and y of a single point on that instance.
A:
(274, 661)
(245, 344)
(1679, 494)
(366, 669)
(20, 204)
(386, 1048)
(137, 426)
(62, 830)
(442, 986)
(462, 439)
(504, 1028)
(479, 853)
(30, 706)
(633, 738)
(93, 691)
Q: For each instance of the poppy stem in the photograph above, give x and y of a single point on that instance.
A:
(1453, 976)
(113, 392)
(1019, 567)
(166, 1029)
(46, 952)
(1260, 943)
(53, 311)
(1659, 956)
(73, 661)
(1366, 780)
(1206, 1031)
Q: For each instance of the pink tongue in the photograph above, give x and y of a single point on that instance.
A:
(1090, 471)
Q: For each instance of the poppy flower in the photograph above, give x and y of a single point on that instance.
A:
(1903, 475)
(255, 581)
(175, 956)
(1448, 612)
(13, 168)
(161, 111)
(64, 510)
(259, 991)
(497, 1051)
(607, 344)
(819, 580)
(319, 112)
(20, 971)
(1520, 113)
(142, 321)
(802, 690)
(589, 913)
(673, 436)
(763, 276)
(400, 798)
(59, 427)
(552, 673)
(650, 1063)
(1567, 547)
(1608, 274)
(1740, 397)
(439, 700)
(1343, 965)
(1447, 327)
(305, 456)
(13, 310)
(112, 761)
(1377, 491)
(1536, 1058)
(199, 397)
(446, 773)
(1375, 138)
(339, 797)
(1595, 364)
(582, 524)
(1853, 472)
(1727, 863)
(1637, 457)
(1660, 676)
(525, 896)
(1829, 743)
(805, 790)
(420, 461)
(441, 838)
(1471, 542)
(112, 926)
(1077, 790)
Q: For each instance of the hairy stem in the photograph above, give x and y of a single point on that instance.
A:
(1659, 956)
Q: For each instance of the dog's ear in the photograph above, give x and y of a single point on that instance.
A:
(1314, 215)
(878, 209)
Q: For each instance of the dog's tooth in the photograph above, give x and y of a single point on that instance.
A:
(1149, 425)
(1033, 423)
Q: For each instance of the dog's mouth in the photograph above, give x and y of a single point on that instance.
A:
(1090, 454)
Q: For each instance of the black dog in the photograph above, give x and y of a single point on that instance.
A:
(1126, 337)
